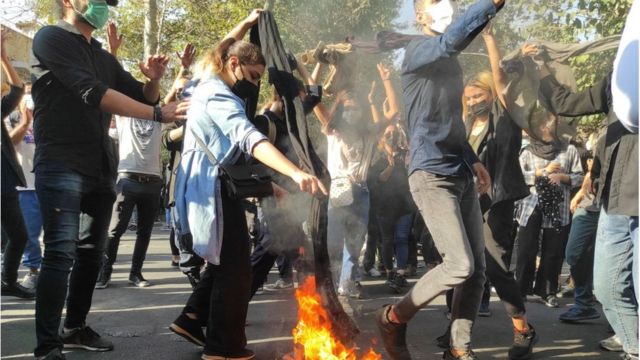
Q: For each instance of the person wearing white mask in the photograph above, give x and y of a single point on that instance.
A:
(441, 174)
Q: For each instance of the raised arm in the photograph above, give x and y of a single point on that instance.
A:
(390, 106)
(374, 109)
(26, 118)
(241, 29)
(499, 77)
(11, 100)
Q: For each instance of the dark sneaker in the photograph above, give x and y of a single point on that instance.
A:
(393, 335)
(575, 314)
(444, 341)
(469, 355)
(85, 338)
(551, 301)
(138, 281)
(104, 277)
(612, 344)
(54, 354)
(484, 310)
(398, 282)
(246, 354)
(17, 290)
(523, 343)
(189, 329)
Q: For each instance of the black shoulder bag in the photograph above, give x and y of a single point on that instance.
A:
(241, 181)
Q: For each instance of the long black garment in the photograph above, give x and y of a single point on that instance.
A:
(267, 36)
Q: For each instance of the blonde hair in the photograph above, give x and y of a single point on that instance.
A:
(214, 60)
(483, 80)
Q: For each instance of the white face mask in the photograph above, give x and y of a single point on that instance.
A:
(588, 145)
(442, 15)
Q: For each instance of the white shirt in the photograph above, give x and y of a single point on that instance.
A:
(24, 150)
(139, 145)
(624, 81)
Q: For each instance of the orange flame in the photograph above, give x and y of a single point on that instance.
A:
(312, 335)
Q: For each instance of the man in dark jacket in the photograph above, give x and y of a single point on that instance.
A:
(617, 192)
(77, 86)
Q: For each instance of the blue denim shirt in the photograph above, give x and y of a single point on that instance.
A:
(218, 118)
(432, 89)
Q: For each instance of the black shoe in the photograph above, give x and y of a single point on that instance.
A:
(245, 354)
(189, 329)
(137, 280)
(469, 355)
(54, 354)
(393, 335)
(17, 290)
(85, 338)
(444, 341)
(104, 277)
(522, 346)
(398, 283)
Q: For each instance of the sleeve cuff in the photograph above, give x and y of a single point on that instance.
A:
(253, 138)
(93, 96)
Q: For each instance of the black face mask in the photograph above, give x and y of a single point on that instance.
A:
(245, 89)
(480, 108)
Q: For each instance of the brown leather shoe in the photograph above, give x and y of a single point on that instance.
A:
(393, 335)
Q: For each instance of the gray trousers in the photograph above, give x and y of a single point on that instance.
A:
(451, 211)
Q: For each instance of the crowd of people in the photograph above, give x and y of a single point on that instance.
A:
(447, 167)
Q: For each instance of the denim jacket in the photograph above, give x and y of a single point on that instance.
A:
(218, 118)
(432, 87)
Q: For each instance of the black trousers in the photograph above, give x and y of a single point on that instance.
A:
(552, 255)
(17, 236)
(146, 197)
(498, 238)
(221, 298)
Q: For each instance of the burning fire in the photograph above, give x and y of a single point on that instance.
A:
(312, 335)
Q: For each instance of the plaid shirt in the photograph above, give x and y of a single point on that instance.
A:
(569, 161)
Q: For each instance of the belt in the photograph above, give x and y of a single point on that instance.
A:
(141, 178)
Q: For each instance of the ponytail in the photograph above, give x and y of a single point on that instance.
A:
(214, 60)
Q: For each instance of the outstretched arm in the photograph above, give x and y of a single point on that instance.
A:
(241, 29)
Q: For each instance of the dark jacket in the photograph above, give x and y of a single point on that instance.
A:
(499, 151)
(432, 85)
(70, 77)
(12, 174)
(617, 162)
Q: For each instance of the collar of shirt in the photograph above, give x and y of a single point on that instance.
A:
(72, 29)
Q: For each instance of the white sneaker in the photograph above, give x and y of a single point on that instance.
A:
(279, 285)
(373, 272)
(30, 280)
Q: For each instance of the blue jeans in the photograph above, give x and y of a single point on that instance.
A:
(76, 210)
(346, 229)
(579, 255)
(395, 232)
(30, 207)
(613, 277)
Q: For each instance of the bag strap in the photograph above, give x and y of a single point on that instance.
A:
(367, 156)
(208, 152)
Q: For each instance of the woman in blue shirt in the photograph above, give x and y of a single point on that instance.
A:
(229, 73)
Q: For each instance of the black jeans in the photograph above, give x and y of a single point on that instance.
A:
(221, 298)
(498, 230)
(552, 255)
(17, 236)
(75, 214)
(146, 197)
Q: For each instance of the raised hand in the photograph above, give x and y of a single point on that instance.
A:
(253, 17)
(385, 73)
(154, 67)
(187, 56)
(113, 38)
(529, 50)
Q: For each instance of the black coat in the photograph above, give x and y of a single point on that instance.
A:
(616, 163)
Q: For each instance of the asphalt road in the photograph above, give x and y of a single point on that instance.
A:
(136, 320)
